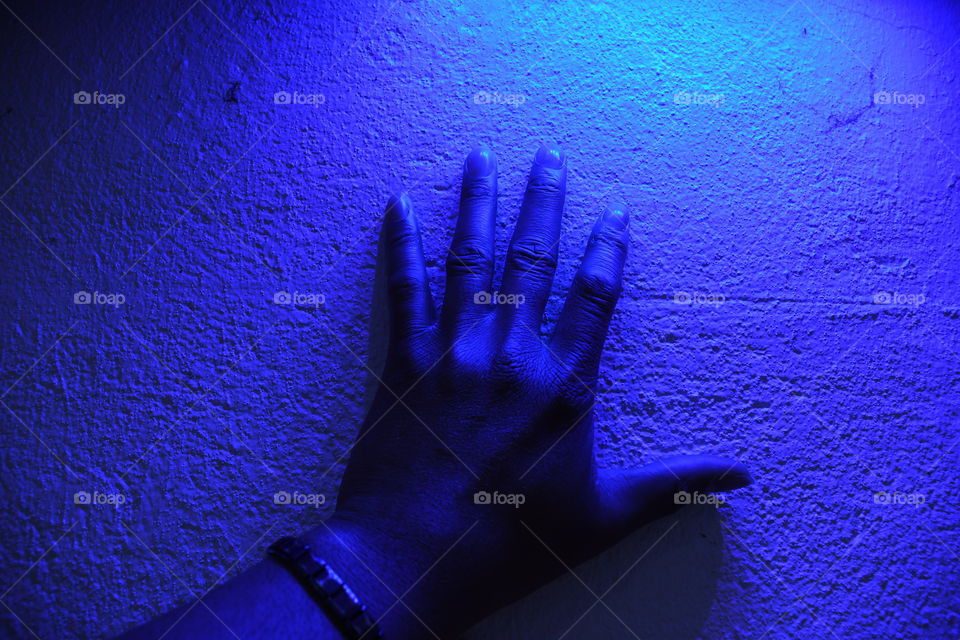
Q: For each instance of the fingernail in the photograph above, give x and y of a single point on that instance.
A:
(480, 162)
(398, 206)
(550, 158)
(616, 216)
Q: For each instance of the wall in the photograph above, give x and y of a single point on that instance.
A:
(811, 225)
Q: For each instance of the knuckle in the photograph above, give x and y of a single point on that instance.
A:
(468, 258)
(404, 285)
(529, 254)
(546, 184)
(478, 192)
(611, 240)
(601, 290)
(400, 235)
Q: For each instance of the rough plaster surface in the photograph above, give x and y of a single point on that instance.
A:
(796, 200)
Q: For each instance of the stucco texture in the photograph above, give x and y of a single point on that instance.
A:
(790, 299)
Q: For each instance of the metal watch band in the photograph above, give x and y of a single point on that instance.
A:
(335, 598)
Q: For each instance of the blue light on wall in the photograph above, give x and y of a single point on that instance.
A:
(790, 300)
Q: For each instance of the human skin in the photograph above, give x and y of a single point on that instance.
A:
(473, 398)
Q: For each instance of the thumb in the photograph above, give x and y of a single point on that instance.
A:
(630, 498)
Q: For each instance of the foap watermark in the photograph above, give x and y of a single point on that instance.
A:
(686, 497)
(899, 498)
(492, 97)
(297, 98)
(895, 97)
(495, 297)
(99, 499)
(687, 298)
(299, 298)
(299, 499)
(894, 297)
(697, 98)
(497, 498)
(98, 297)
(99, 98)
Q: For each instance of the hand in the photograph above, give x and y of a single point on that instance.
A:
(473, 399)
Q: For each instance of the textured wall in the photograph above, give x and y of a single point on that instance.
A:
(779, 191)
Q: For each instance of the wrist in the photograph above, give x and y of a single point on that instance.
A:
(374, 569)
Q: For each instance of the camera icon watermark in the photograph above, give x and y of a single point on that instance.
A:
(86, 498)
(297, 98)
(492, 97)
(697, 98)
(115, 100)
(686, 497)
(495, 297)
(496, 498)
(296, 498)
(299, 298)
(96, 297)
(899, 498)
(687, 298)
(895, 97)
(893, 297)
